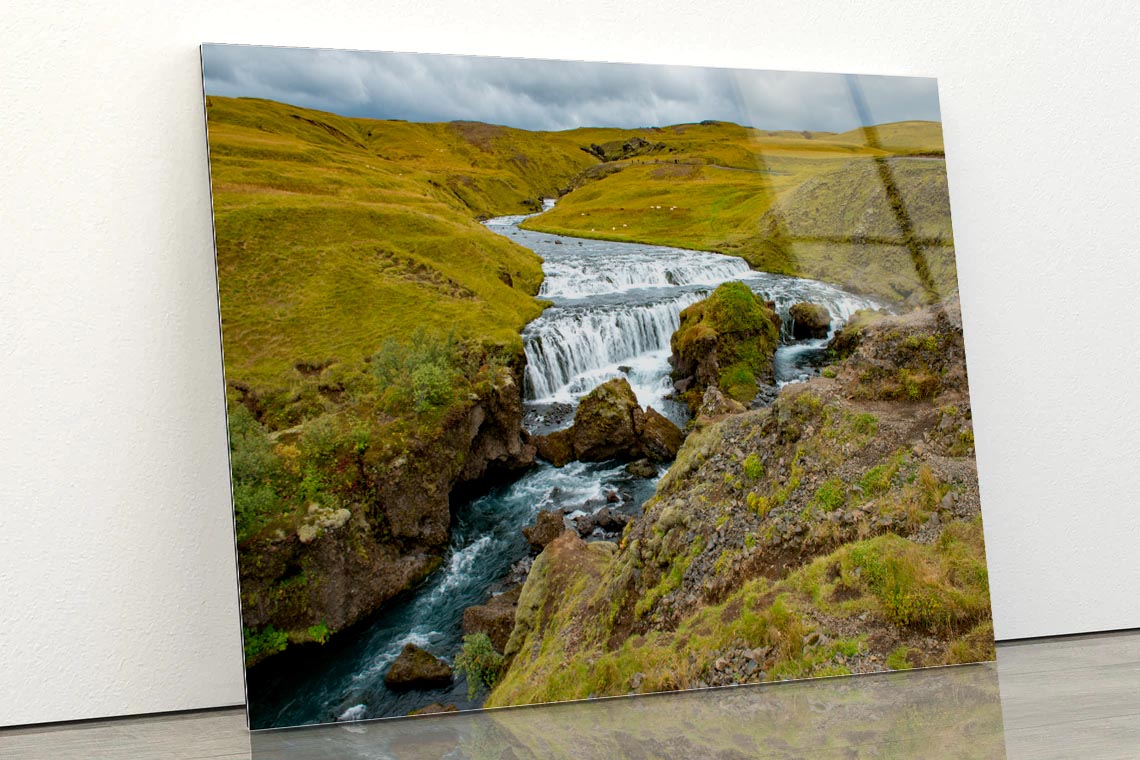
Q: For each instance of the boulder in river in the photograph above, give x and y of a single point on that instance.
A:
(728, 340)
(659, 437)
(809, 320)
(605, 423)
(609, 424)
(416, 668)
(496, 618)
(546, 528)
(641, 468)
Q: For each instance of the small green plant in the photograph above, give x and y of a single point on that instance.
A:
(830, 496)
(761, 505)
(263, 643)
(865, 424)
(480, 663)
(319, 633)
(753, 467)
(899, 660)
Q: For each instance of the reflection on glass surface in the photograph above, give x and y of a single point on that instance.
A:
(935, 713)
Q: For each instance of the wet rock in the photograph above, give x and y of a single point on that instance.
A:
(609, 424)
(556, 448)
(416, 668)
(546, 528)
(642, 468)
(610, 521)
(605, 423)
(496, 618)
(809, 320)
(660, 438)
(584, 525)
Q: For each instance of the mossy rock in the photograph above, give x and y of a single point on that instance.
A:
(809, 320)
(728, 340)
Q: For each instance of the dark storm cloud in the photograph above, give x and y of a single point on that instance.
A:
(551, 95)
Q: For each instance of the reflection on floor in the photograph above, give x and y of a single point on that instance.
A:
(1061, 698)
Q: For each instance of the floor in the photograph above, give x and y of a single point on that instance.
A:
(1071, 697)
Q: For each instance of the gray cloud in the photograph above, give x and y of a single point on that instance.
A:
(554, 95)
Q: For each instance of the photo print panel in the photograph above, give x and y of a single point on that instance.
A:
(549, 380)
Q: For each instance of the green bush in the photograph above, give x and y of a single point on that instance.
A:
(480, 663)
(258, 478)
(423, 373)
(263, 643)
(753, 467)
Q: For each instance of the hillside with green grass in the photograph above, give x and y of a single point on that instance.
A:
(837, 531)
(867, 210)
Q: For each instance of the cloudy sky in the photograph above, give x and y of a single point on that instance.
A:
(553, 95)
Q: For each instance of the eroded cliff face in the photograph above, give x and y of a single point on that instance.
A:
(837, 531)
(338, 566)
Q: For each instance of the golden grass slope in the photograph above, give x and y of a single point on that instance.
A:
(334, 234)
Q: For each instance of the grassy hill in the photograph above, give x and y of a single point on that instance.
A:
(828, 206)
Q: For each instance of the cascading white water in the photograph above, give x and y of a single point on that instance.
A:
(593, 273)
(572, 344)
(616, 305)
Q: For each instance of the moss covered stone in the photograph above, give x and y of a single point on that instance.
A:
(727, 340)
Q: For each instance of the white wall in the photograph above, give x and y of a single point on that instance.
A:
(117, 582)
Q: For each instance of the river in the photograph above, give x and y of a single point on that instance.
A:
(615, 306)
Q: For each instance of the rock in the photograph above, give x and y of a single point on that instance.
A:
(417, 669)
(660, 438)
(636, 680)
(547, 527)
(727, 340)
(556, 448)
(496, 618)
(519, 571)
(715, 404)
(434, 708)
(585, 525)
(642, 468)
(610, 521)
(809, 320)
(605, 425)
(610, 425)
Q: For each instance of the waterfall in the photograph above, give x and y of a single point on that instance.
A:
(581, 275)
(572, 348)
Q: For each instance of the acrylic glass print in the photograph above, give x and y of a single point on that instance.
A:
(549, 380)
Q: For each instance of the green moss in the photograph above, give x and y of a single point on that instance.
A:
(261, 644)
(479, 663)
(830, 495)
(753, 467)
(899, 659)
(742, 330)
(319, 633)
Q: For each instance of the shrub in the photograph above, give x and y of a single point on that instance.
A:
(258, 477)
(830, 495)
(263, 643)
(480, 663)
(319, 633)
(753, 467)
(422, 373)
